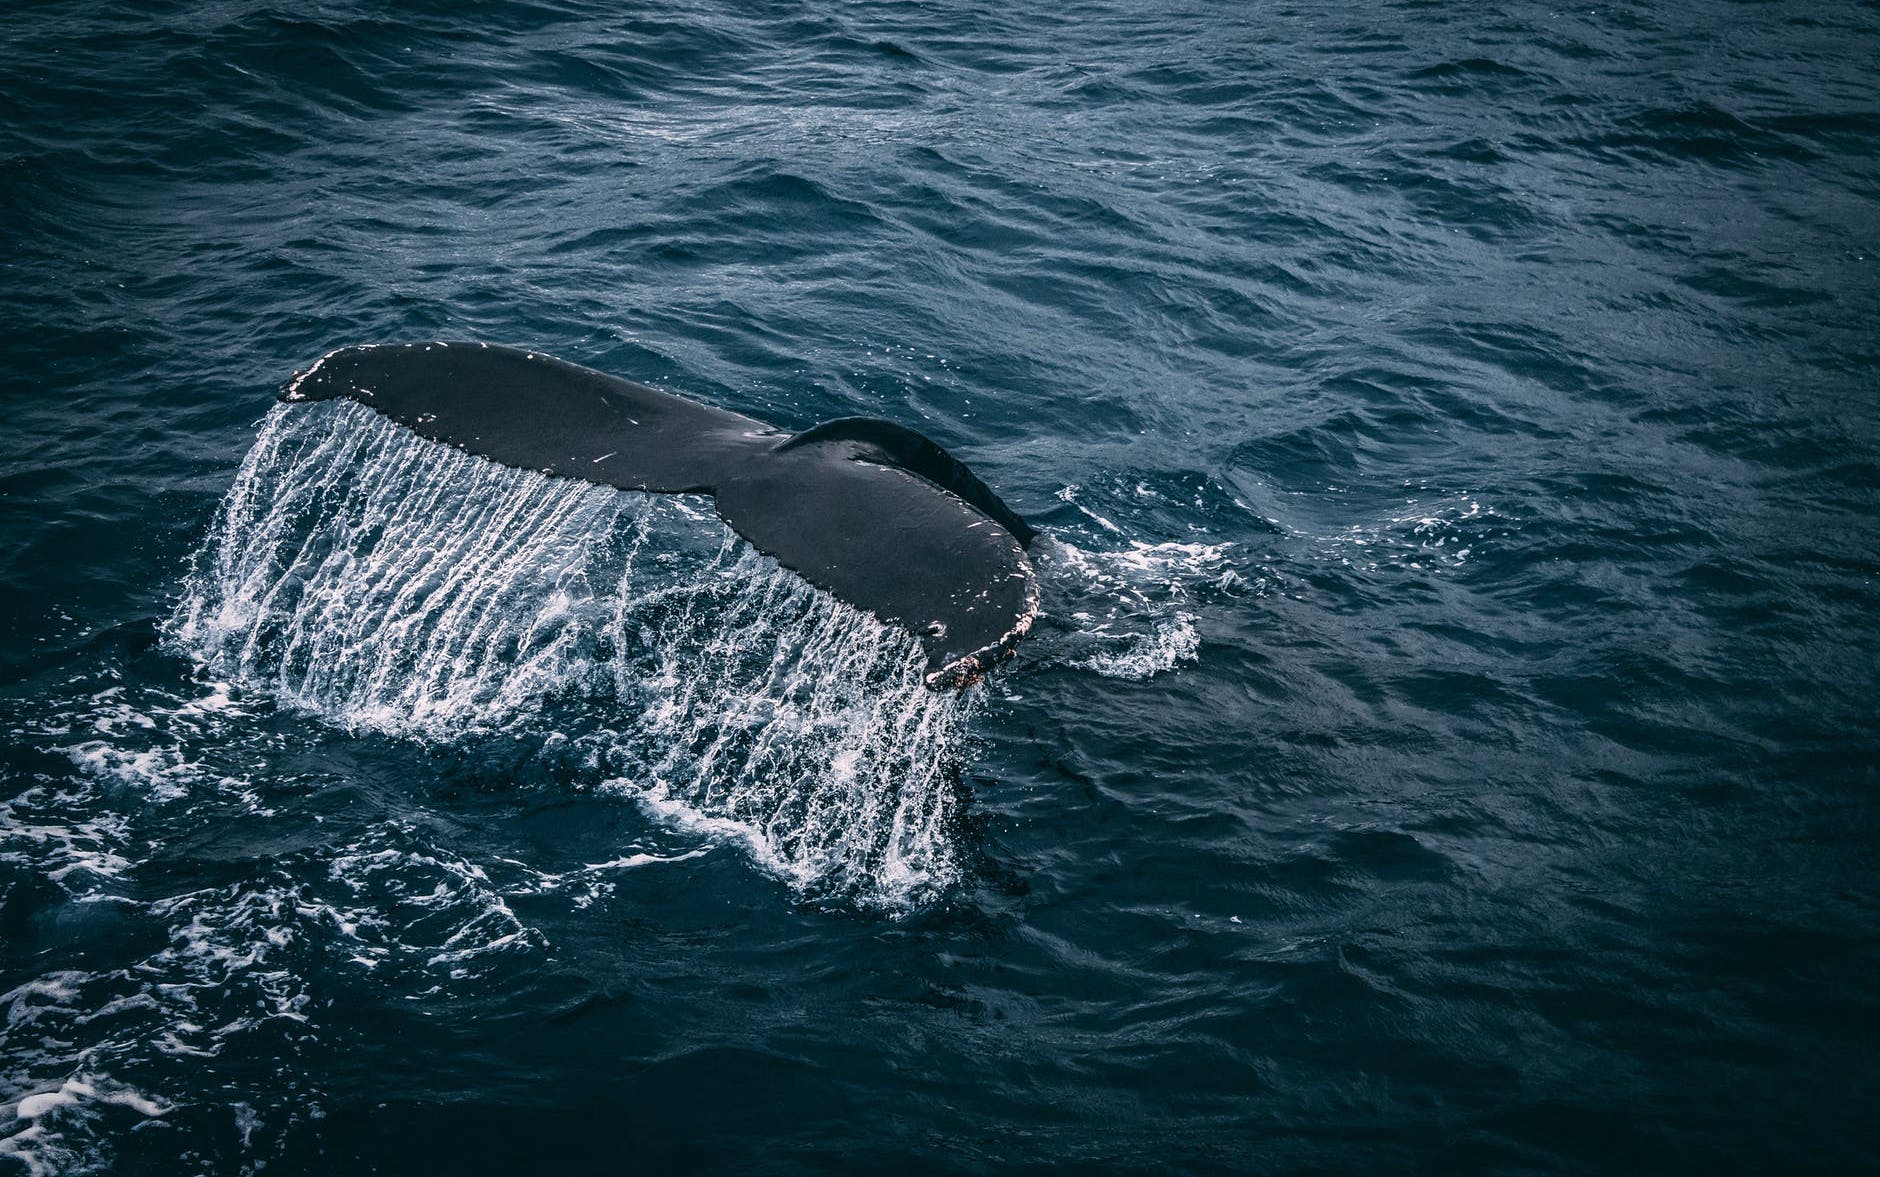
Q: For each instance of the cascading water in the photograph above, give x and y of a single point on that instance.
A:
(384, 582)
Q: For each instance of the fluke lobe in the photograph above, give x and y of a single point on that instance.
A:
(867, 510)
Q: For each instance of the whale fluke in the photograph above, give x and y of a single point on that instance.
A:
(870, 511)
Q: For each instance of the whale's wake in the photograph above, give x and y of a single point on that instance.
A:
(387, 583)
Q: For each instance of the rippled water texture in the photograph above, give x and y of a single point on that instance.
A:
(1448, 746)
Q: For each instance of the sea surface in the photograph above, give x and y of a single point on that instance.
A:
(1450, 744)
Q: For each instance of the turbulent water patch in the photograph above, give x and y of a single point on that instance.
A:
(1126, 612)
(386, 583)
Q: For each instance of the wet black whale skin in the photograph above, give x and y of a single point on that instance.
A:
(870, 511)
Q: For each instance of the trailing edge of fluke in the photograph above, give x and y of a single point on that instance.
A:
(870, 511)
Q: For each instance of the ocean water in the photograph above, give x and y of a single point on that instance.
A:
(1449, 744)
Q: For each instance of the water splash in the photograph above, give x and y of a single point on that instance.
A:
(1127, 612)
(1131, 567)
(387, 583)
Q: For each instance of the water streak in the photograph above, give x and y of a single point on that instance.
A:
(391, 584)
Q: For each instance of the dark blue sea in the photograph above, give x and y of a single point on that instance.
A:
(1449, 744)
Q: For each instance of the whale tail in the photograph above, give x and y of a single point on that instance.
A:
(872, 512)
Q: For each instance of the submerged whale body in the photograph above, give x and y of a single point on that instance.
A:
(870, 511)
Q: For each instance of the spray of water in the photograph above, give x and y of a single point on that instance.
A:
(383, 582)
